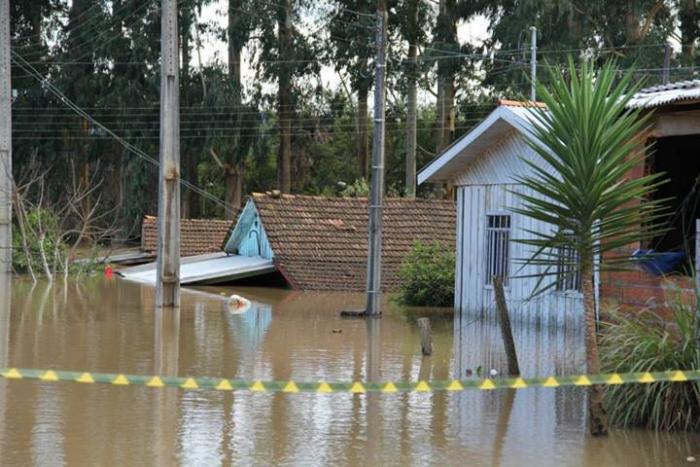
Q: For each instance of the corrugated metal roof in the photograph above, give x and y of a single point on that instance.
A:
(665, 94)
(210, 268)
(492, 130)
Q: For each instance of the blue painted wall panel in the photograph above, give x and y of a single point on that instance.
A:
(249, 237)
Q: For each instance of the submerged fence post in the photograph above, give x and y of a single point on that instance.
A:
(426, 340)
(504, 324)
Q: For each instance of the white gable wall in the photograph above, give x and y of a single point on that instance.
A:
(499, 164)
(485, 188)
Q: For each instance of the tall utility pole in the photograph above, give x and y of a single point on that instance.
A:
(412, 102)
(5, 140)
(168, 272)
(374, 260)
(667, 63)
(533, 64)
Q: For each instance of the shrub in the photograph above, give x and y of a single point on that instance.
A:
(647, 342)
(428, 276)
(356, 189)
(42, 234)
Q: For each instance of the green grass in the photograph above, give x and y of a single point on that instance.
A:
(644, 341)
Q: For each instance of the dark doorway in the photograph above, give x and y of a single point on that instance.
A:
(271, 279)
(678, 157)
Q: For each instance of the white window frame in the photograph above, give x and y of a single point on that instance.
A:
(566, 283)
(490, 260)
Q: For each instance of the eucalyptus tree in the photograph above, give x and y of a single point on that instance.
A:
(353, 35)
(689, 25)
(187, 22)
(240, 26)
(285, 55)
(445, 47)
(587, 143)
(633, 32)
(454, 64)
(412, 16)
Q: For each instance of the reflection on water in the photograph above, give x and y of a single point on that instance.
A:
(113, 327)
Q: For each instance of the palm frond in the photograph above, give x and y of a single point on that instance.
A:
(587, 144)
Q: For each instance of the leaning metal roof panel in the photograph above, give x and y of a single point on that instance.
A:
(665, 94)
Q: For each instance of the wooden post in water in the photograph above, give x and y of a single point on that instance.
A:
(426, 340)
(504, 324)
(168, 265)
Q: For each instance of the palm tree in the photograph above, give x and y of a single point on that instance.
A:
(588, 143)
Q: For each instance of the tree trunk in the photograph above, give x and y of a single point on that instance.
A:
(690, 29)
(234, 173)
(190, 205)
(411, 123)
(362, 132)
(439, 115)
(446, 71)
(631, 22)
(284, 170)
(597, 418)
(234, 190)
(449, 130)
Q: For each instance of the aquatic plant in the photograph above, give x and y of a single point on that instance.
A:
(647, 342)
(428, 276)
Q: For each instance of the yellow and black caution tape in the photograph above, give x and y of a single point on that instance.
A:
(224, 384)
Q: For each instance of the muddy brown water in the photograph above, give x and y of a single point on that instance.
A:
(110, 326)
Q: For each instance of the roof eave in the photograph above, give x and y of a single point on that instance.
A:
(440, 169)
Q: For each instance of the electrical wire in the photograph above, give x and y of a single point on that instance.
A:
(17, 59)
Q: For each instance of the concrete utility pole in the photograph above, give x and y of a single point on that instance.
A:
(5, 140)
(168, 272)
(533, 64)
(667, 63)
(374, 262)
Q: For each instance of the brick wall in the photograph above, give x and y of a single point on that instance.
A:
(636, 288)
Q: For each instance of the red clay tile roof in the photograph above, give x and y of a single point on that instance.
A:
(512, 103)
(321, 243)
(197, 236)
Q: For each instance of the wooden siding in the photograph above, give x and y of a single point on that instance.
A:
(472, 294)
(488, 187)
(499, 164)
(249, 237)
(255, 242)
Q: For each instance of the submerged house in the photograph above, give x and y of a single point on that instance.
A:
(303, 242)
(197, 236)
(320, 243)
(482, 166)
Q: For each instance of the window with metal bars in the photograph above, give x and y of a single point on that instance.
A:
(568, 273)
(497, 247)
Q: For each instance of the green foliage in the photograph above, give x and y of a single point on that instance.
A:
(633, 32)
(42, 232)
(105, 56)
(586, 144)
(647, 342)
(358, 188)
(428, 276)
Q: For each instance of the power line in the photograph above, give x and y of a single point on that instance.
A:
(101, 30)
(128, 146)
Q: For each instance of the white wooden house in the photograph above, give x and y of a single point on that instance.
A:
(481, 166)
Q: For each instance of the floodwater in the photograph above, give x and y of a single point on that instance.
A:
(110, 326)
